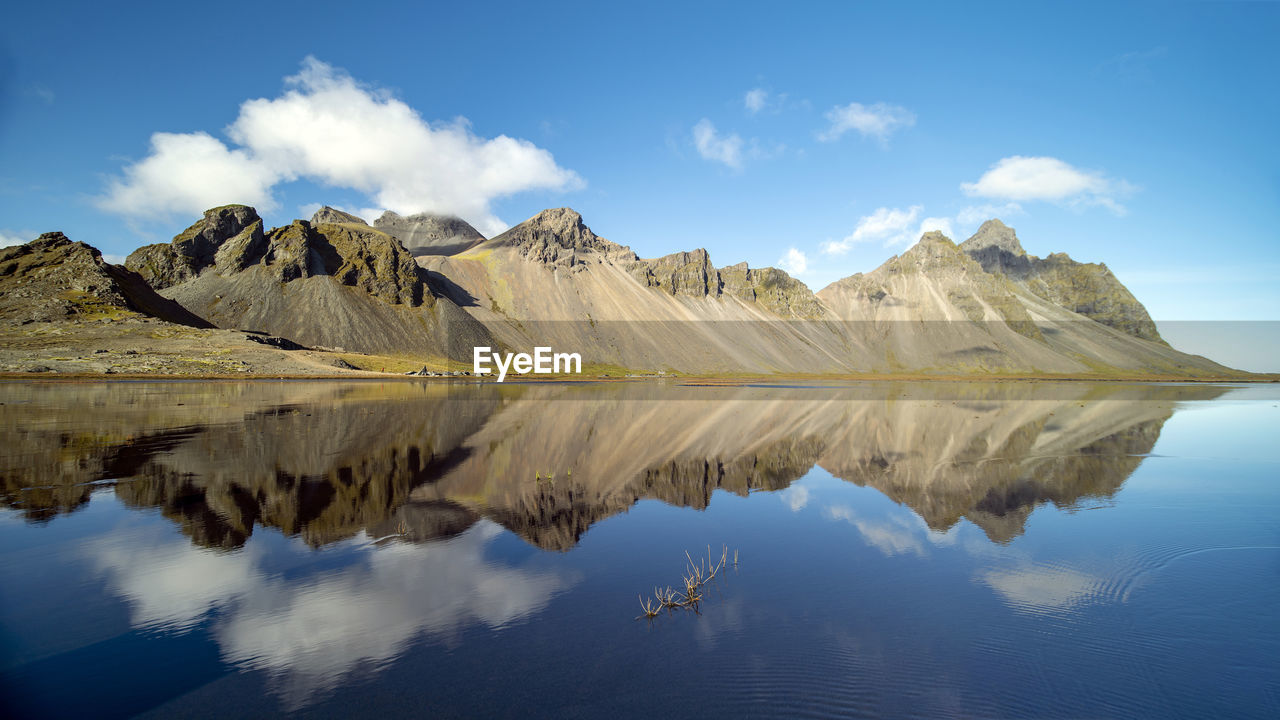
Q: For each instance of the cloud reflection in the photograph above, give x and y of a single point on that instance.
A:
(1039, 588)
(310, 633)
(796, 497)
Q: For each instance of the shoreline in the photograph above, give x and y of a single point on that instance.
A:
(692, 380)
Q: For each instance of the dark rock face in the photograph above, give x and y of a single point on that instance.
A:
(772, 288)
(374, 262)
(1089, 289)
(282, 343)
(230, 240)
(366, 259)
(691, 274)
(682, 273)
(996, 248)
(198, 247)
(429, 234)
(53, 278)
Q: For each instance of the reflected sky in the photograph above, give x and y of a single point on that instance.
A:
(1102, 549)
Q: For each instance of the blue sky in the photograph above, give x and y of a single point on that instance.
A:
(823, 137)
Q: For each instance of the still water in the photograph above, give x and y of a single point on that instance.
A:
(456, 550)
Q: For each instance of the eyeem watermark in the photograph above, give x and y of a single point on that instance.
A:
(541, 362)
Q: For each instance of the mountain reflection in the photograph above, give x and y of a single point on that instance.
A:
(418, 462)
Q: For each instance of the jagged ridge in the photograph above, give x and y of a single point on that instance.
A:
(1089, 289)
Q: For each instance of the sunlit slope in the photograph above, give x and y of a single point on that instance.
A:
(936, 309)
(552, 281)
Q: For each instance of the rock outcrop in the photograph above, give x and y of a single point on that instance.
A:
(355, 256)
(691, 274)
(559, 237)
(1089, 289)
(327, 214)
(684, 273)
(773, 289)
(53, 278)
(197, 247)
(430, 234)
(230, 240)
(322, 285)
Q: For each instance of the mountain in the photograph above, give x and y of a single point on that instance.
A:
(1085, 288)
(938, 309)
(552, 281)
(329, 284)
(421, 234)
(429, 234)
(52, 278)
(338, 283)
(327, 214)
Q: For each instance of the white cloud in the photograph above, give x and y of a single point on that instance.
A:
(755, 100)
(891, 226)
(113, 259)
(877, 121)
(888, 224)
(10, 237)
(712, 146)
(1019, 178)
(188, 174)
(794, 262)
(328, 128)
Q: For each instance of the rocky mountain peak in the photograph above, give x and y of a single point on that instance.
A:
(429, 233)
(933, 248)
(558, 236)
(53, 278)
(327, 214)
(994, 234)
(996, 248)
(564, 223)
(1085, 288)
(199, 246)
(230, 240)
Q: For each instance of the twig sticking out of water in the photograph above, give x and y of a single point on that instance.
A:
(696, 575)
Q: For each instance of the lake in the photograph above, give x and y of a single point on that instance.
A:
(403, 549)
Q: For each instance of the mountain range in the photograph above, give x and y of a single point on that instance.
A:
(430, 288)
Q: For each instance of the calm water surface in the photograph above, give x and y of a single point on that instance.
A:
(397, 550)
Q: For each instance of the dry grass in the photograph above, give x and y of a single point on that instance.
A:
(696, 575)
